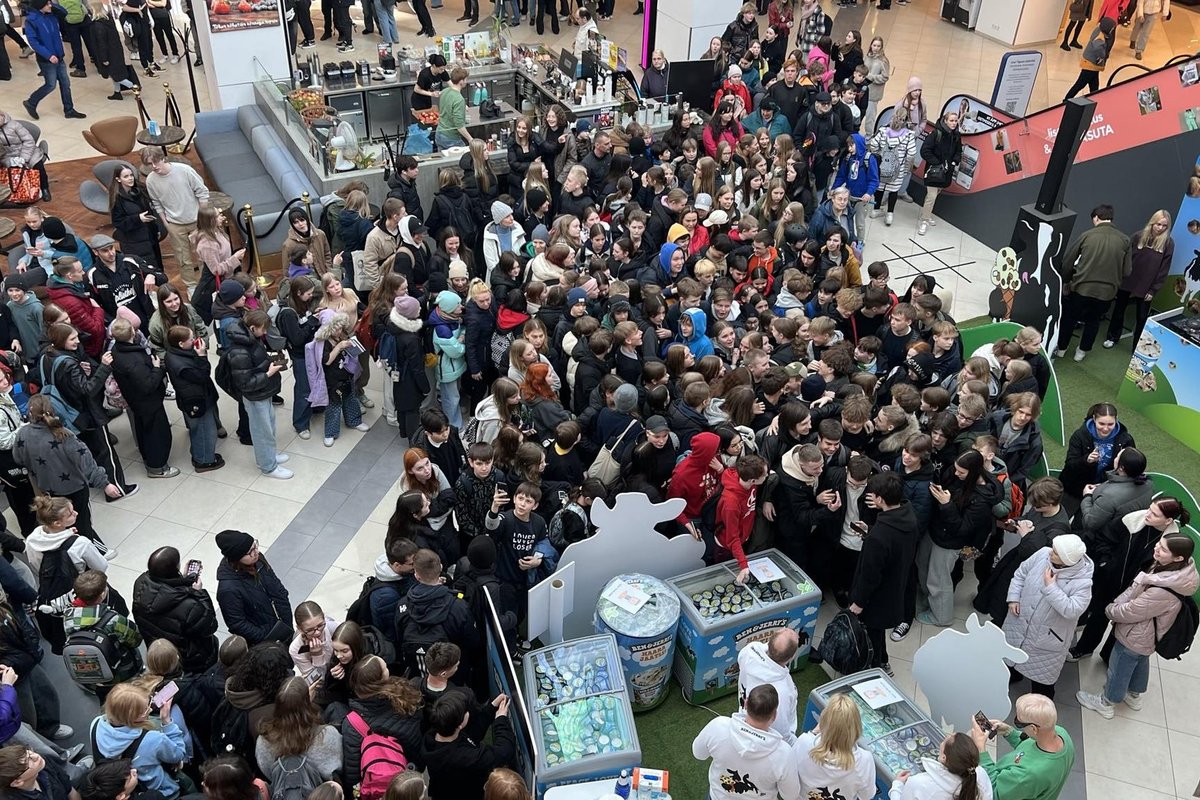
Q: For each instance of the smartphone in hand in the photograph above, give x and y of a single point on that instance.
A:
(193, 567)
(164, 694)
(985, 724)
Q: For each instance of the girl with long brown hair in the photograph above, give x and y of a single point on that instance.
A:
(295, 729)
(383, 705)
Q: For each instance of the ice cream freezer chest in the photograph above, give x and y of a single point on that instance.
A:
(894, 728)
(582, 722)
(720, 617)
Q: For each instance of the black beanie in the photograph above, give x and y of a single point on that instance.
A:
(481, 552)
(534, 200)
(234, 544)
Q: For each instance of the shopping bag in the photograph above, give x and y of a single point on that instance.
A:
(25, 184)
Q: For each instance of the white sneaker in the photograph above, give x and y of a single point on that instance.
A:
(1109, 344)
(888, 219)
(395, 423)
(328, 441)
(280, 473)
(876, 213)
(281, 458)
(304, 434)
(922, 227)
(932, 222)
(166, 472)
(1134, 700)
(63, 732)
(1096, 703)
(1059, 353)
(906, 198)
(174, 59)
(362, 426)
(1080, 355)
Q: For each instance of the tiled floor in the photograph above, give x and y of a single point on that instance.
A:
(324, 528)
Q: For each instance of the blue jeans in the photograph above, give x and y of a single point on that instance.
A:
(346, 405)
(1127, 672)
(445, 140)
(202, 431)
(451, 403)
(301, 410)
(386, 17)
(261, 416)
(53, 74)
(514, 16)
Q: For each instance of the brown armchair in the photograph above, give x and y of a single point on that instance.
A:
(114, 137)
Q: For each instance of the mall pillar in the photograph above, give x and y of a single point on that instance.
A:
(252, 46)
(1040, 236)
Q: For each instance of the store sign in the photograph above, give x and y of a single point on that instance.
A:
(1014, 81)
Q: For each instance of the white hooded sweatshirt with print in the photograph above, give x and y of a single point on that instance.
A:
(756, 668)
(747, 763)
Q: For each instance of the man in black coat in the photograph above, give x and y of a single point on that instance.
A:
(253, 601)
(877, 593)
(597, 163)
(173, 606)
(403, 185)
(119, 280)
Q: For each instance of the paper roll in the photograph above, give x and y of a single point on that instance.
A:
(558, 594)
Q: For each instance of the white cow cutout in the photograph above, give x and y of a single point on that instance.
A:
(961, 673)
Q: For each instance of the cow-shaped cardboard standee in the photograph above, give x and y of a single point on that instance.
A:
(961, 673)
(625, 541)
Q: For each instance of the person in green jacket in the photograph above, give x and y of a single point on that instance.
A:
(1042, 755)
(1094, 267)
(452, 112)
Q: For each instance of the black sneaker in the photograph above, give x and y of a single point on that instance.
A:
(30, 109)
(308, 44)
(73, 114)
(887, 669)
(216, 464)
(276, 400)
(78, 73)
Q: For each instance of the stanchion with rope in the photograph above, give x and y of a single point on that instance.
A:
(143, 114)
(245, 223)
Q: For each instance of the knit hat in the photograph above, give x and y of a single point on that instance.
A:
(448, 302)
(576, 295)
(590, 287)
(540, 234)
(234, 544)
(481, 552)
(811, 388)
(458, 269)
(1069, 548)
(407, 306)
(921, 365)
(625, 398)
(53, 228)
(618, 305)
(100, 241)
(535, 199)
(676, 232)
(914, 83)
(230, 292)
(500, 211)
(704, 200)
(734, 69)
(657, 424)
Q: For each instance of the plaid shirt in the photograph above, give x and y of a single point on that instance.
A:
(120, 626)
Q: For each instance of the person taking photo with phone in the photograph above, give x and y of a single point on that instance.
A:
(175, 606)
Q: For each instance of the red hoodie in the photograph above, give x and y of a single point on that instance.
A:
(693, 479)
(735, 515)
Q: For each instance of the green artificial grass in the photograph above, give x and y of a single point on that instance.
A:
(666, 733)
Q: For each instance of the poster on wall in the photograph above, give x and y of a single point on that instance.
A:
(1161, 381)
(974, 115)
(241, 15)
(1014, 81)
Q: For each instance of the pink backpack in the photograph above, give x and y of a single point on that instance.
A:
(381, 759)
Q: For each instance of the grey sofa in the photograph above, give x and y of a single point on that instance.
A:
(247, 161)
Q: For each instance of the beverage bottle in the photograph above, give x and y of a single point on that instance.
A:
(622, 789)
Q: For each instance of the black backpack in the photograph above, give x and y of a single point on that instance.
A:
(415, 639)
(845, 645)
(128, 753)
(1179, 637)
(57, 573)
(223, 375)
(231, 731)
(360, 610)
(460, 216)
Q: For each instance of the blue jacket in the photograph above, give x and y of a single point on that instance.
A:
(10, 713)
(160, 747)
(859, 172)
(698, 342)
(44, 35)
(778, 124)
(825, 219)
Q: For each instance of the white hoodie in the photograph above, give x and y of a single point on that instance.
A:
(757, 668)
(826, 780)
(936, 783)
(83, 553)
(747, 763)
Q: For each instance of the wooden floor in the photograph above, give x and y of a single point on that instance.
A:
(65, 179)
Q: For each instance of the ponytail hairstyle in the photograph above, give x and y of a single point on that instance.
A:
(1181, 546)
(42, 410)
(1171, 508)
(370, 678)
(961, 758)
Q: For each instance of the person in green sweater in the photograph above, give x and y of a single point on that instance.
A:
(452, 112)
(1042, 755)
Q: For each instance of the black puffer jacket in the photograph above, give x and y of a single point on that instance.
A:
(82, 392)
(943, 146)
(195, 392)
(738, 36)
(382, 719)
(171, 609)
(480, 325)
(254, 604)
(954, 529)
(481, 198)
(141, 382)
(249, 360)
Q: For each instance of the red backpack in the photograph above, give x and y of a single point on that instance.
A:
(381, 759)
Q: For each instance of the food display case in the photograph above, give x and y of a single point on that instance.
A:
(895, 729)
(580, 713)
(721, 617)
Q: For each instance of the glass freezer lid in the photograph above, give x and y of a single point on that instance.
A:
(566, 673)
(714, 594)
(581, 728)
(880, 722)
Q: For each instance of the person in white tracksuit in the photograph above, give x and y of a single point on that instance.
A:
(767, 662)
(750, 760)
(955, 775)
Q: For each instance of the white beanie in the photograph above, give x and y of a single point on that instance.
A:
(1069, 548)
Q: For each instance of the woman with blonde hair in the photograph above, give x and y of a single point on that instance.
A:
(1153, 249)
(157, 750)
(381, 705)
(340, 370)
(504, 784)
(828, 758)
(295, 729)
